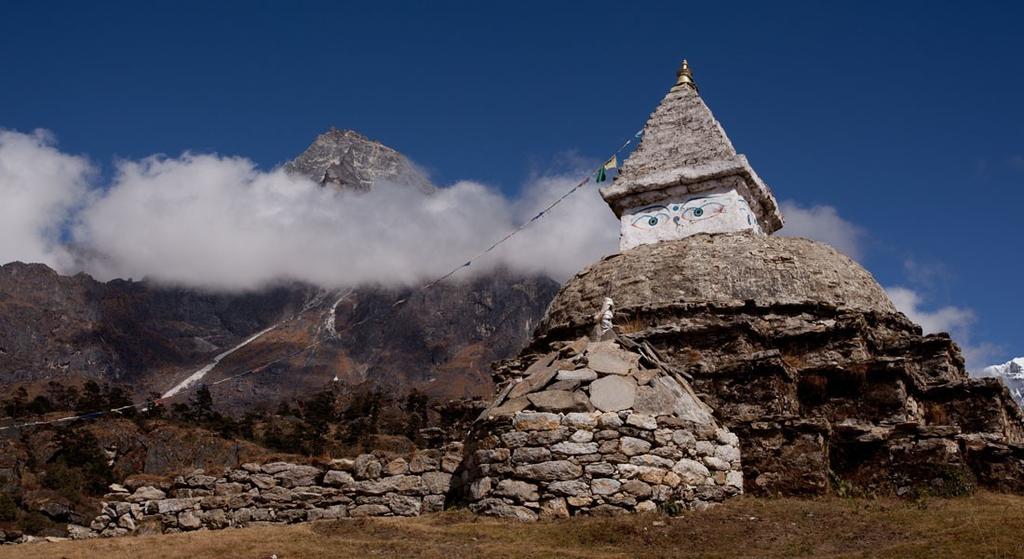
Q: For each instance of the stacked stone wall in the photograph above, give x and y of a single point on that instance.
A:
(536, 464)
(279, 492)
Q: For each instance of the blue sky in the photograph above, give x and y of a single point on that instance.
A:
(905, 117)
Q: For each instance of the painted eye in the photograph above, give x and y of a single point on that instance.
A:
(675, 208)
(649, 220)
(704, 211)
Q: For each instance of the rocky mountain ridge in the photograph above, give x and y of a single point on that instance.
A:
(348, 160)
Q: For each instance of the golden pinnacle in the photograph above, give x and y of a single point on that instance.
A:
(685, 77)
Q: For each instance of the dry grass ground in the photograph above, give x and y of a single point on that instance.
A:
(984, 525)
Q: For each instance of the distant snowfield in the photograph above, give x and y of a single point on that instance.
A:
(198, 375)
(1012, 373)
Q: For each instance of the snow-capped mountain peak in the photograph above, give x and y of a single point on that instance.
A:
(1012, 373)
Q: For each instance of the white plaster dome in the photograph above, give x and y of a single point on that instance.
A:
(721, 270)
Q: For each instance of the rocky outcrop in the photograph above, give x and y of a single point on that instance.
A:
(594, 428)
(282, 492)
(800, 353)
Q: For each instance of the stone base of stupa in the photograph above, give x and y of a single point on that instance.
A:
(801, 354)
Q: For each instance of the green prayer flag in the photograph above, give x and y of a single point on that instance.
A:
(602, 173)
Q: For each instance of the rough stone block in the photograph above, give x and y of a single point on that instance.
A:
(433, 503)
(515, 489)
(146, 493)
(403, 505)
(499, 508)
(554, 508)
(555, 470)
(637, 488)
(579, 501)
(396, 467)
(604, 486)
(583, 375)
(728, 453)
(716, 463)
(514, 439)
(536, 421)
(612, 393)
(530, 455)
(437, 482)
(600, 469)
(609, 420)
(369, 510)
(367, 466)
(480, 488)
(651, 460)
(580, 420)
(642, 421)
(582, 436)
(547, 438)
(571, 448)
(338, 478)
(189, 520)
(631, 446)
(691, 471)
(607, 358)
(558, 401)
(538, 375)
(509, 408)
(573, 488)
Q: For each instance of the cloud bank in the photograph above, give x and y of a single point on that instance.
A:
(40, 189)
(956, 321)
(221, 223)
(822, 223)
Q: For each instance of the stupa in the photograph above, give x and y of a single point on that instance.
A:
(792, 349)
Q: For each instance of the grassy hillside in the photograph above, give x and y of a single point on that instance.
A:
(984, 525)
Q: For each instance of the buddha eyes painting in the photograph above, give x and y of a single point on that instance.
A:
(700, 209)
(651, 217)
(692, 210)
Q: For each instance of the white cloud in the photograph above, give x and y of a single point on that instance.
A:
(956, 321)
(822, 223)
(945, 319)
(219, 222)
(40, 187)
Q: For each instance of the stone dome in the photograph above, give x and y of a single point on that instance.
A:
(722, 270)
